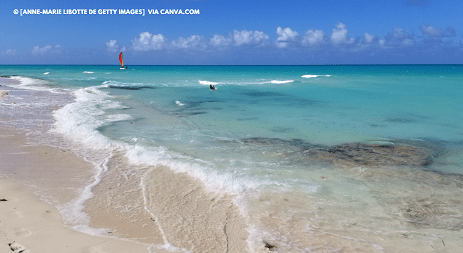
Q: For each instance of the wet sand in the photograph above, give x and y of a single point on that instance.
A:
(29, 223)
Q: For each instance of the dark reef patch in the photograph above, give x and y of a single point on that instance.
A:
(281, 129)
(279, 142)
(190, 114)
(131, 87)
(247, 119)
(192, 102)
(351, 154)
(372, 155)
(376, 125)
(263, 94)
(400, 120)
(196, 106)
(398, 175)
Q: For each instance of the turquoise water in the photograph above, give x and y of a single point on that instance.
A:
(251, 137)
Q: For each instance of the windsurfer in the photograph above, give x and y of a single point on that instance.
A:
(211, 87)
(122, 61)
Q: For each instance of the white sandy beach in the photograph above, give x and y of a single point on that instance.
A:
(36, 226)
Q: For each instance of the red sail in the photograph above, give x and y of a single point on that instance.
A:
(120, 59)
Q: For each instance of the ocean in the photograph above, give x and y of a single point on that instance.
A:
(341, 158)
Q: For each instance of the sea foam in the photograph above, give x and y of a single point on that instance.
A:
(280, 82)
(313, 76)
(207, 83)
(34, 84)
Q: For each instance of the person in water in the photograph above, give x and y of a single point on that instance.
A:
(211, 87)
(126, 67)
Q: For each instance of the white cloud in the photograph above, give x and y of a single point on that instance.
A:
(286, 36)
(39, 50)
(368, 38)
(312, 38)
(46, 49)
(249, 38)
(435, 32)
(368, 41)
(397, 39)
(220, 41)
(147, 41)
(431, 31)
(339, 35)
(194, 41)
(400, 33)
(10, 52)
(382, 43)
(112, 46)
(408, 42)
(401, 37)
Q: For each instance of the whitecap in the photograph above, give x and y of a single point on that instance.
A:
(88, 72)
(207, 83)
(179, 103)
(46, 73)
(279, 82)
(312, 76)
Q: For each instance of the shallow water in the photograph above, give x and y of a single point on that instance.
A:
(318, 158)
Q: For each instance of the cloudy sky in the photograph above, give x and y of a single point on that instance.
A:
(239, 32)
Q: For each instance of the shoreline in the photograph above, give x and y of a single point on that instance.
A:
(33, 223)
(37, 225)
(45, 184)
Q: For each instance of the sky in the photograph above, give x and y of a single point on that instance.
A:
(240, 32)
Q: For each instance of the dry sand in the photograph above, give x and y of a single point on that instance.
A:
(34, 225)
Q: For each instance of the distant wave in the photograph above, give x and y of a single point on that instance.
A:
(126, 86)
(179, 103)
(130, 87)
(207, 83)
(46, 73)
(312, 76)
(285, 81)
(88, 72)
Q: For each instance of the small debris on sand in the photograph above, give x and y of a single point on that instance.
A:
(269, 246)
